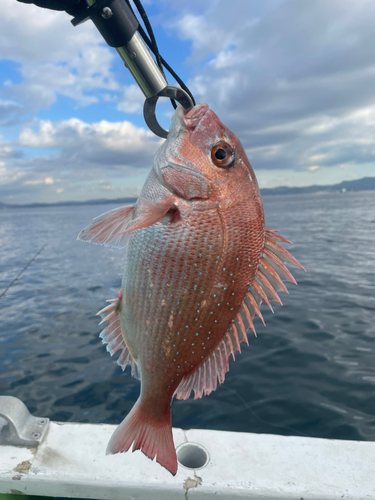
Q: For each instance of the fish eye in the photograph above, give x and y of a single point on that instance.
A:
(222, 155)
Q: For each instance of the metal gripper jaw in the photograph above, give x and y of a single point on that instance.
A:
(119, 28)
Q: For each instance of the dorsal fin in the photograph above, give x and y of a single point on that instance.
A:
(112, 335)
(267, 282)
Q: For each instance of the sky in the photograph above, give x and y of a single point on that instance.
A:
(293, 79)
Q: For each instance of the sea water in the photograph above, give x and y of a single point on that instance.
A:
(310, 371)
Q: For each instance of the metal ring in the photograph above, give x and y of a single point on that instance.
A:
(149, 107)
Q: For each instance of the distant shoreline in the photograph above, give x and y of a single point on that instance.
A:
(365, 184)
(69, 203)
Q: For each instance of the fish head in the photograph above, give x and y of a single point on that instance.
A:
(203, 160)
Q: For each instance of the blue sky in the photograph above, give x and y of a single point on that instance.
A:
(294, 80)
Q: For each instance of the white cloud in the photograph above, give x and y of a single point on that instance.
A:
(317, 158)
(116, 143)
(132, 100)
(53, 57)
(36, 182)
(9, 176)
(86, 161)
(294, 80)
(105, 185)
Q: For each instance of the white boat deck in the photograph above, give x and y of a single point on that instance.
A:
(71, 462)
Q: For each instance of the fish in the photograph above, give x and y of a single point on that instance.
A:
(198, 264)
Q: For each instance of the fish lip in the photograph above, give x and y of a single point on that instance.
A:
(191, 118)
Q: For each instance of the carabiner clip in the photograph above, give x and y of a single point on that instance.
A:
(149, 107)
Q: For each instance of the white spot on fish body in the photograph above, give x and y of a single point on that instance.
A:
(170, 321)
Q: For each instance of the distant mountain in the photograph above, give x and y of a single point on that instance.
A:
(365, 184)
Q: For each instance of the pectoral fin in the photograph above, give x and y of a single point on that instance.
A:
(111, 228)
(148, 213)
(108, 229)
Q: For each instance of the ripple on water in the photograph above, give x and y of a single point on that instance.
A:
(309, 372)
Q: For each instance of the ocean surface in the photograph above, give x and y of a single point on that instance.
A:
(310, 371)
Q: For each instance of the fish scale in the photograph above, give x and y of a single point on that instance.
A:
(187, 295)
(198, 264)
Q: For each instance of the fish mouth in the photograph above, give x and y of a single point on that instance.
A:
(190, 119)
(169, 157)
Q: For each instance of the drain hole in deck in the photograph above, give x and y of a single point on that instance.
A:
(192, 455)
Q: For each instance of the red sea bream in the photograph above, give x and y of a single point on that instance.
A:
(198, 264)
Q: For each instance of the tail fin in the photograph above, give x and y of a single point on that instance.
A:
(152, 436)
